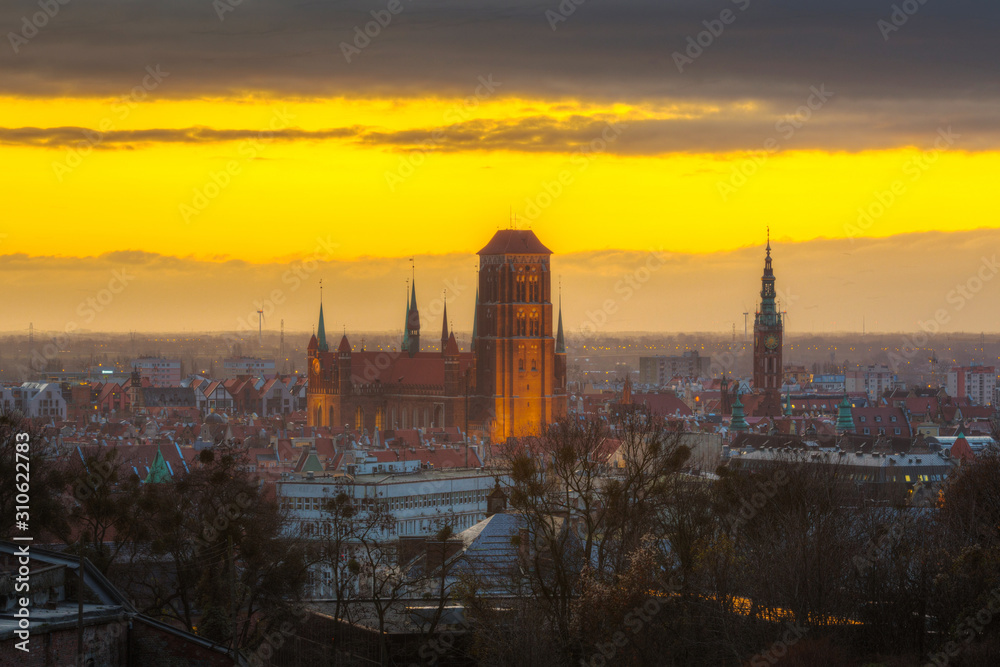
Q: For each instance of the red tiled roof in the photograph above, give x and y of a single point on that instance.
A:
(662, 404)
(408, 437)
(424, 368)
(521, 241)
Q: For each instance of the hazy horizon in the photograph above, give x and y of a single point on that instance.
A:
(900, 283)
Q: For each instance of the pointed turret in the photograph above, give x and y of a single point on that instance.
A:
(405, 345)
(321, 337)
(451, 346)
(738, 422)
(960, 449)
(345, 346)
(560, 340)
(768, 314)
(413, 321)
(444, 326)
(788, 403)
(845, 421)
(159, 471)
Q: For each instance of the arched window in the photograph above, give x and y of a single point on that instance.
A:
(520, 364)
(534, 365)
(359, 419)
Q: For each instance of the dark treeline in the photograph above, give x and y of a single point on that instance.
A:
(621, 558)
(793, 566)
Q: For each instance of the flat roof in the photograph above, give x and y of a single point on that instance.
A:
(423, 475)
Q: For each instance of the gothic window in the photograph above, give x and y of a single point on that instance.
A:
(534, 365)
(416, 418)
(359, 419)
(379, 418)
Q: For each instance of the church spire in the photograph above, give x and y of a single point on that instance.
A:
(560, 340)
(768, 307)
(323, 347)
(405, 345)
(444, 324)
(413, 321)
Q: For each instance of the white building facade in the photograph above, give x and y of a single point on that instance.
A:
(977, 383)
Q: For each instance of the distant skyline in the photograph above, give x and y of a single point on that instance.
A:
(208, 150)
(895, 284)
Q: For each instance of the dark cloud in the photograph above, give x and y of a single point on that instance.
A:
(731, 130)
(61, 137)
(937, 68)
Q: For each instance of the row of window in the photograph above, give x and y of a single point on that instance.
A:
(878, 477)
(881, 431)
(878, 418)
(315, 504)
(437, 500)
(458, 523)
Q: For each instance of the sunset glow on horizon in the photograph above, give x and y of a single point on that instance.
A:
(401, 171)
(207, 145)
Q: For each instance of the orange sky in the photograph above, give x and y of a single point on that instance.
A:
(213, 154)
(263, 199)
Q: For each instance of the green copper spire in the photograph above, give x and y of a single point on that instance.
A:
(159, 473)
(768, 315)
(738, 422)
(845, 422)
(321, 334)
(788, 403)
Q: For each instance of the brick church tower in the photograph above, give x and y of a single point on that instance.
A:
(767, 343)
(520, 358)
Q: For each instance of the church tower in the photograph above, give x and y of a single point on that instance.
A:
(322, 399)
(767, 344)
(411, 337)
(514, 340)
